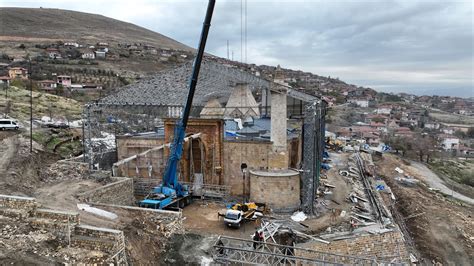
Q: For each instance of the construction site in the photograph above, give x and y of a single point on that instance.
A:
(208, 163)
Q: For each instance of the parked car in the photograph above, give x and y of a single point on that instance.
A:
(8, 124)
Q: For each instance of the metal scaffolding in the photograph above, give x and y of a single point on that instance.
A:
(235, 250)
(313, 148)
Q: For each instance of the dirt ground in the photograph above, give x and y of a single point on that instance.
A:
(337, 201)
(443, 228)
(29, 174)
(201, 218)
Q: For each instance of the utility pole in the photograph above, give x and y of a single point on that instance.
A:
(31, 107)
(228, 50)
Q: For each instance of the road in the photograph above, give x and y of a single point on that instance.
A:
(434, 181)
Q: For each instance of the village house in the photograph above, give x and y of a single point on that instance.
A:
(53, 53)
(360, 102)
(378, 126)
(100, 54)
(92, 87)
(88, 55)
(71, 44)
(464, 151)
(448, 142)
(432, 125)
(384, 109)
(47, 85)
(448, 130)
(64, 80)
(5, 81)
(18, 73)
(457, 127)
(403, 132)
(371, 139)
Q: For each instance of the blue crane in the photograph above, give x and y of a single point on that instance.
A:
(171, 189)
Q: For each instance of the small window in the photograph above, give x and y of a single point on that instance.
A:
(14, 123)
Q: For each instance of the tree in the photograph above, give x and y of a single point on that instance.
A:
(60, 89)
(423, 146)
(460, 134)
(470, 133)
(8, 107)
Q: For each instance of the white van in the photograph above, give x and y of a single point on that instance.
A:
(8, 124)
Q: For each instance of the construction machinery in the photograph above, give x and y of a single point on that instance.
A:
(171, 192)
(239, 213)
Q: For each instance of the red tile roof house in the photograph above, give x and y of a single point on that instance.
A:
(403, 131)
(378, 126)
(371, 139)
(48, 85)
(464, 151)
(384, 109)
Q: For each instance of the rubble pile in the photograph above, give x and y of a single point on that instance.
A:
(17, 238)
(60, 171)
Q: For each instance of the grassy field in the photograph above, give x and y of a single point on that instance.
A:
(44, 104)
(458, 174)
(452, 118)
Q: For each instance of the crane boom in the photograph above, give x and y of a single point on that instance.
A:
(170, 176)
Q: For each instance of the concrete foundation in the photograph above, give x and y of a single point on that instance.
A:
(279, 189)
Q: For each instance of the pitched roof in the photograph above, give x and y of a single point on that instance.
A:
(170, 87)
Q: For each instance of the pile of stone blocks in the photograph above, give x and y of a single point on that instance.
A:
(97, 238)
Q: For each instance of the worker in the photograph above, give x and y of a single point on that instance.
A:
(353, 225)
(220, 247)
(333, 216)
(256, 239)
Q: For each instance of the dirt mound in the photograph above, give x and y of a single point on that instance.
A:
(20, 169)
(63, 171)
(442, 228)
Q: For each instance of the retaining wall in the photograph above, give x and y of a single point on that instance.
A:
(384, 247)
(119, 192)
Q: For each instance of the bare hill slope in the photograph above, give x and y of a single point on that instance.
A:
(56, 24)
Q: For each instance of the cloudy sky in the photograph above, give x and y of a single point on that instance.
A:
(422, 47)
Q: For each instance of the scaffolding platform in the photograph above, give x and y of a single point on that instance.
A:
(236, 250)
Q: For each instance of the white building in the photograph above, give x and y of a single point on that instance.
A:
(432, 126)
(359, 102)
(384, 110)
(448, 130)
(88, 55)
(100, 55)
(449, 143)
(72, 44)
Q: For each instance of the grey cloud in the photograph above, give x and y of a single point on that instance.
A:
(417, 45)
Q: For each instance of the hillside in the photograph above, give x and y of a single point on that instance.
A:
(23, 24)
(44, 104)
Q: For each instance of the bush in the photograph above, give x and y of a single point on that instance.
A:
(467, 178)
